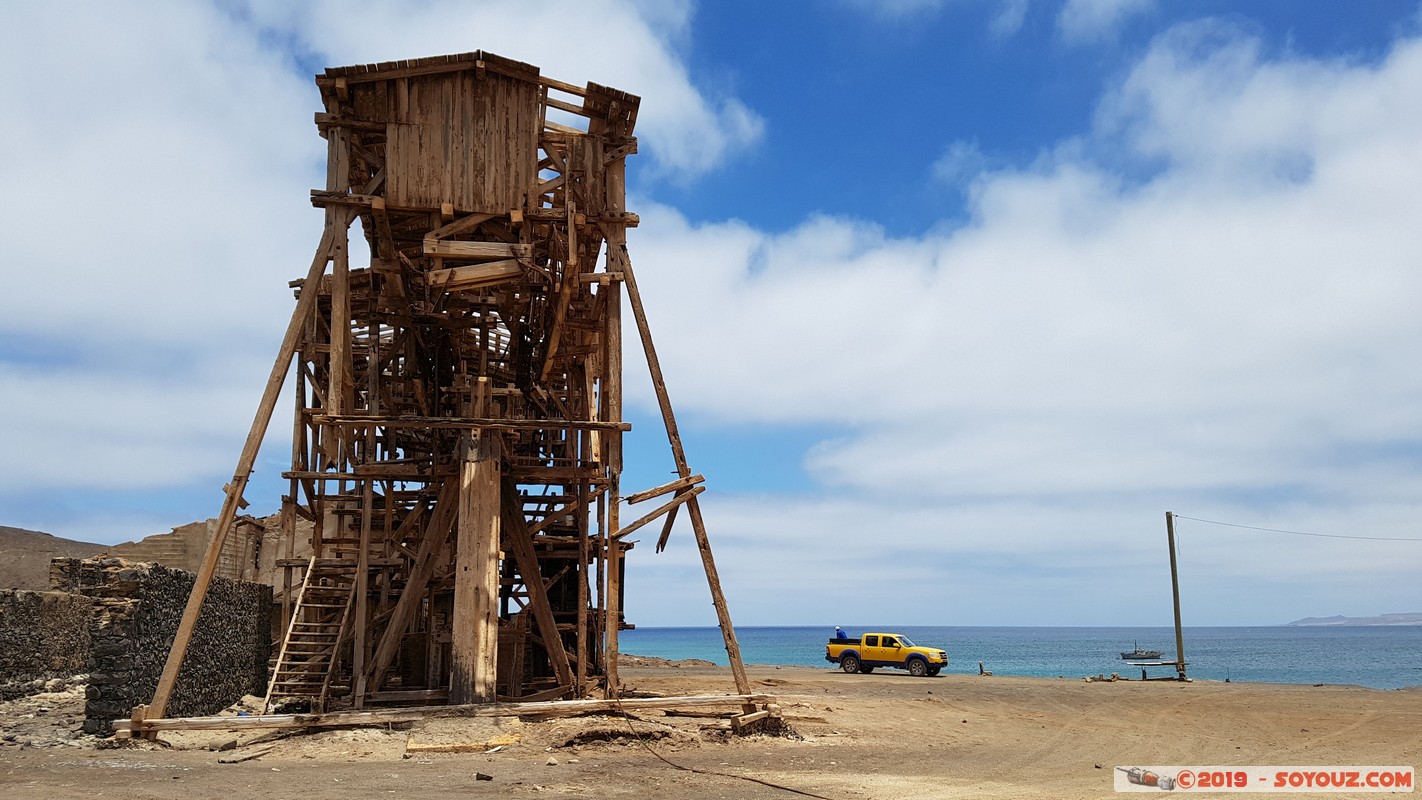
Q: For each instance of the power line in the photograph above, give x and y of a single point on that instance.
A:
(1302, 533)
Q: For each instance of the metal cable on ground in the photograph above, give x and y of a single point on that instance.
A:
(643, 742)
(1302, 533)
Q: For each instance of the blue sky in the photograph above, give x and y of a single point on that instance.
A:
(956, 297)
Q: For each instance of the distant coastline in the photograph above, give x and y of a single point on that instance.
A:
(1408, 618)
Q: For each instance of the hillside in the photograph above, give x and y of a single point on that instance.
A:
(25, 555)
(1411, 618)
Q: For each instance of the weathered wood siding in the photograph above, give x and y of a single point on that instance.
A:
(456, 137)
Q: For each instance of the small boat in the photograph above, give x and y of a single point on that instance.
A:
(1140, 655)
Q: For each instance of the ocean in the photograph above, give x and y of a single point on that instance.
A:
(1381, 657)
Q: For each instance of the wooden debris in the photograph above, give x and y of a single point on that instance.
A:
(246, 756)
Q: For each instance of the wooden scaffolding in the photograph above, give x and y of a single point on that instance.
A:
(458, 426)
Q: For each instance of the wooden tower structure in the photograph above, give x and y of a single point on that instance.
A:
(458, 425)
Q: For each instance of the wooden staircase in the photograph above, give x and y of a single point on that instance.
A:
(320, 622)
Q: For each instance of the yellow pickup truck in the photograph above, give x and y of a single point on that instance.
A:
(865, 653)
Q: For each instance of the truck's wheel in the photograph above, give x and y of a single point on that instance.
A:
(849, 664)
(918, 667)
(934, 671)
(865, 670)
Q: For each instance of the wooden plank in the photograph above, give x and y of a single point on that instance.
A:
(247, 756)
(439, 248)
(475, 275)
(666, 530)
(662, 509)
(476, 583)
(471, 422)
(742, 720)
(462, 747)
(327, 199)
(675, 486)
(409, 695)
(388, 715)
(465, 224)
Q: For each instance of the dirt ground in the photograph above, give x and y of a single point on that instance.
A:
(884, 735)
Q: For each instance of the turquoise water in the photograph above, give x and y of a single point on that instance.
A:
(1380, 657)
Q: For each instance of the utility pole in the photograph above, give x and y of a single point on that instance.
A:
(1175, 593)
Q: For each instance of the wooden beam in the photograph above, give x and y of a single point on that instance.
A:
(462, 225)
(305, 304)
(475, 275)
(671, 504)
(386, 716)
(477, 423)
(618, 259)
(474, 648)
(553, 516)
(612, 443)
(384, 237)
(436, 248)
(675, 486)
(326, 199)
(517, 538)
(666, 530)
(436, 534)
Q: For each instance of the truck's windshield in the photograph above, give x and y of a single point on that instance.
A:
(904, 640)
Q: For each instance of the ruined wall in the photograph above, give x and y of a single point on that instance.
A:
(137, 608)
(250, 551)
(43, 635)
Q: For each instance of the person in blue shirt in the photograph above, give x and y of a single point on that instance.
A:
(839, 633)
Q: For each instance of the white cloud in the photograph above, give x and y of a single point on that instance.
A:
(1009, 18)
(158, 165)
(897, 8)
(1218, 310)
(960, 163)
(1084, 21)
(1206, 303)
(630, 46)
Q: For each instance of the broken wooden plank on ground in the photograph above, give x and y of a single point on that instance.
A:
(388, 715)
(245, 756)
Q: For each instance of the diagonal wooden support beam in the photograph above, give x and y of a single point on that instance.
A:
(666, 488)
(669, 505)
(305, 303)
(436, 536)
(517, 538)
(618, 260)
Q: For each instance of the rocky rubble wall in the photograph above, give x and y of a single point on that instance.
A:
(43, 635)
(137, 608)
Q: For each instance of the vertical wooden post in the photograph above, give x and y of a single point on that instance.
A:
(612, 442)
(362, 598)
(476, 583)
(581, 677)
(1175, 594)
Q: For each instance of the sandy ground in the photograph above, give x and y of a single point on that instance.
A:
(884, 735)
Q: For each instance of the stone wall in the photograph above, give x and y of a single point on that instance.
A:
(43, 635)
(137, 608)
(250, 552)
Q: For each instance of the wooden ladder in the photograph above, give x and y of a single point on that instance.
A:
(319, 624)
